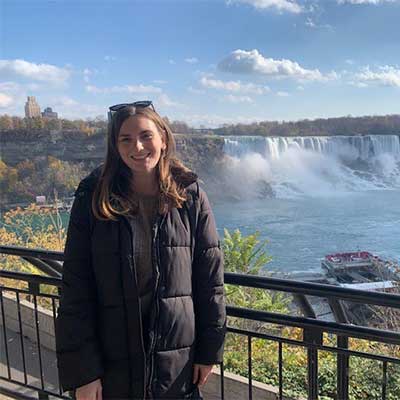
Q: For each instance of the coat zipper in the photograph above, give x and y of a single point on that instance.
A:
(133, 269)
(156, 258)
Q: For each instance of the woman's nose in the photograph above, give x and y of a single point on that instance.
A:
(138, 145)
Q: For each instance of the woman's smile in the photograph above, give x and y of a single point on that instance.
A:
(140, 157)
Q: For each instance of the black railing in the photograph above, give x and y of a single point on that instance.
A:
(313, 329)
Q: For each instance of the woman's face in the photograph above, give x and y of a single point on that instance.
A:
(140, 143)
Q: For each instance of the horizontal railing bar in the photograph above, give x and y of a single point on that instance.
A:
(313, 289)
(55, 264)
(15, 395)
(43, 266)
(28, 291)
(26, 277)
(280, 339)
(15, 382)
(261, 282)
(37, 253)
(360, 332)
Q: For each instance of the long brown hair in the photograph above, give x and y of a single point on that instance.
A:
(113, 195)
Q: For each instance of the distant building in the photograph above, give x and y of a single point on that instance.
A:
(49, 113)
(32, 108)
(40, 199)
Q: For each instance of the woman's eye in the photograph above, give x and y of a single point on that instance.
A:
(147, 136)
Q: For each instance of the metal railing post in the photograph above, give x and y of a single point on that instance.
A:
(312, 336)
(342, 368)
(43, 395)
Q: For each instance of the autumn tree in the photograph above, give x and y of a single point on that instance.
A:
(63, 175)
(52, 124)
(6, 123)
(8, 178)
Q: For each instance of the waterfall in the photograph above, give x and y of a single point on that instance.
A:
(362, 147)
(315, 165)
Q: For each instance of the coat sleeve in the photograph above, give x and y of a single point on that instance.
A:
(208, 287)
(77, 347)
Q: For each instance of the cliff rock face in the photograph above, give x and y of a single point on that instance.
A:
(199, 152)
(70, 146)
(202, 154)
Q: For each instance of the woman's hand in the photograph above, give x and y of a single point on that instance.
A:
(90, 391)
(200, 373)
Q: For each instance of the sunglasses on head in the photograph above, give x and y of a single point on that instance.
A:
(136, 104)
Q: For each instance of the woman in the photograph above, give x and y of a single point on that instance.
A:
(142, 312)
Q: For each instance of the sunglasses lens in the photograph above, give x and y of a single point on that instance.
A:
(144, 104)
(118, 107)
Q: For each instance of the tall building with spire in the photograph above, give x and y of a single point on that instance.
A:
(32, 108)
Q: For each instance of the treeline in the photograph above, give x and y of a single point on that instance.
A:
(88, 126)
(369, 125)
(41, 176)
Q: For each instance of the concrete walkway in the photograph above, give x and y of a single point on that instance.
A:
(49, 365)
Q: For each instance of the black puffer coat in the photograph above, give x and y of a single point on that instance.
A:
(98, 327)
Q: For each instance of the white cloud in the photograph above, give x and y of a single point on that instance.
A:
(39, 72)
(195, 90)
(172, 62)
(164, 101)
(34, 87)
(215, 120)
(233, 86)
(358, 84)
(349, 61)
(160, 82)
(282, 94)
(238, 99)
(191, 60)
(385, 75)
(68, 107)
(314, 25)
(9, 86)
(376, 2)
(124, 89)
(65, 101)
(87, 73)
(309, 22)
(253, 62)
(15, 89)
(279, 5)
(109, 58)
(5, 100)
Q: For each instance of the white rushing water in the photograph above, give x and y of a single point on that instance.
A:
(332, 194)
(312, 165)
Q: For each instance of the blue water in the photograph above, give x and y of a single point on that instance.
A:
(304, 229)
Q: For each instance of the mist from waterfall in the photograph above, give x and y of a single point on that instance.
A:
(313, 166)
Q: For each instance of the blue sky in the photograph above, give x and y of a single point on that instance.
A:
(207, 62)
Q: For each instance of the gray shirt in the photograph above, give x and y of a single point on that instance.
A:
(142, 223)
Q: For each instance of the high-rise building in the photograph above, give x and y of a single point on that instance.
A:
(49, 113)
(32, 108)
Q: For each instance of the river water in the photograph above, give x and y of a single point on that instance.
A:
(332, 194)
